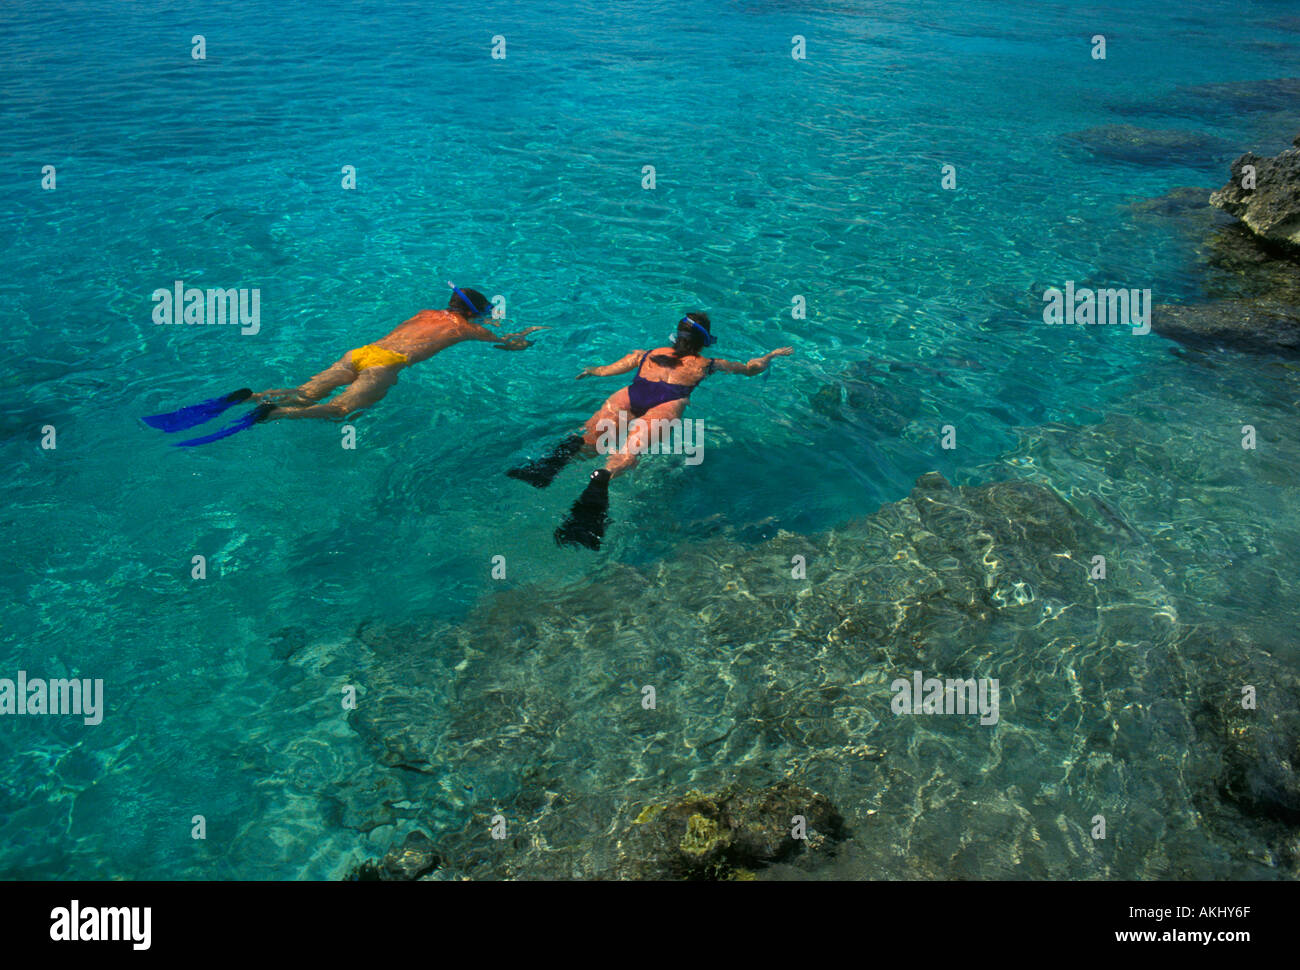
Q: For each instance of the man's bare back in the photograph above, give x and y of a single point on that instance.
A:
(430, 331)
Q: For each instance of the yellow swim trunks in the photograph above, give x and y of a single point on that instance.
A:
(372, 356)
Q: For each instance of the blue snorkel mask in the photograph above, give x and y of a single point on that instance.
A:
(469, 303)
(709, 339)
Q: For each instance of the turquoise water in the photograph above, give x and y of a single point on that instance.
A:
(522, 177)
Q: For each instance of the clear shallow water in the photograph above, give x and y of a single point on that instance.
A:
(522, 177)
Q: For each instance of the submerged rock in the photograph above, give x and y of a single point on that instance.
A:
(1185, 202)
(727, 836)
(414, 857)
(1240, 324)
(1263, 748)
(533, 707)
(1245, 266)
(1228, 100)
(1150, 146)
(394, 725)
(1237, 263)
(287, 641)
(1248, 734)
(757, 675)
(1271, 210)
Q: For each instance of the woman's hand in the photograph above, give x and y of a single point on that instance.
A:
(586, 372)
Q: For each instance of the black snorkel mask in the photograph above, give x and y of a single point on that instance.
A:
(709, 339)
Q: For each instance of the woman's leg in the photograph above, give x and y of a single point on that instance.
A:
(540, 472)
(586, 521)
(639, 435)
(604, 423)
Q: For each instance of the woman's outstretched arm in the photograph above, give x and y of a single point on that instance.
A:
(752, 367)
(620, 366)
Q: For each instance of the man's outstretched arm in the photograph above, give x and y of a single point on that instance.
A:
(504, 341)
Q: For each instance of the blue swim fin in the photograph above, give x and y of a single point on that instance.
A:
(196, 414)
(247, 421)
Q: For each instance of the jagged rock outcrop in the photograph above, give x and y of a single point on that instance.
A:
(1271, 209)
(1254, 263)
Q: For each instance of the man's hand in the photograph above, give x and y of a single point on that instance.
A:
(516, 341)
(781, 352)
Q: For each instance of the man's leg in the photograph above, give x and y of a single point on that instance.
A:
(366, 388)
(337, 374)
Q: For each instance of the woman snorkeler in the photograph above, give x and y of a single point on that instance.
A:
(655, 400)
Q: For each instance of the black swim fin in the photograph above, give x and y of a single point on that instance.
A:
(542, 472)
(586, 521)
(258, 413)
(196, 414)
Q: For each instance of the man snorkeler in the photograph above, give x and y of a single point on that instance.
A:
(368, 372)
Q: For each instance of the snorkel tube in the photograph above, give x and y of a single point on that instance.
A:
(477, 313)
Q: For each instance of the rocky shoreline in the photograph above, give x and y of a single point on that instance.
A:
(1262, 250)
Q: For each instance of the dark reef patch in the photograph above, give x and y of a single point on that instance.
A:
(1156, 147)
(726, 836)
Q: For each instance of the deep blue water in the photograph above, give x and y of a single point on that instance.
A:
(523, 177)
